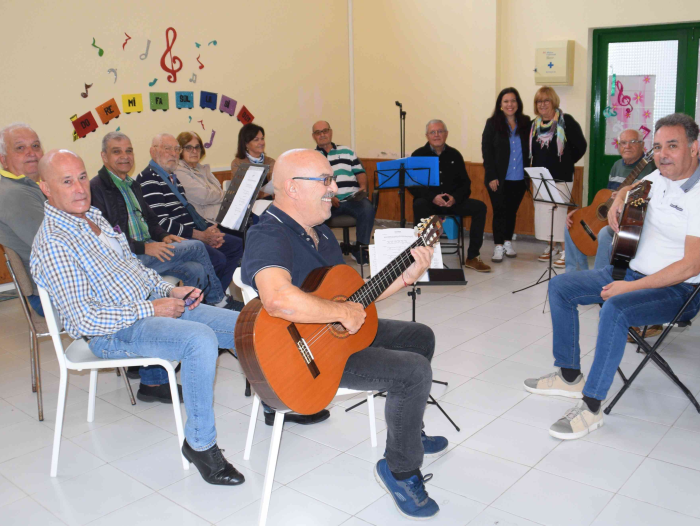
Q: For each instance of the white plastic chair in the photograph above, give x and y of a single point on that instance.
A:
(77, 357)
(249, 294)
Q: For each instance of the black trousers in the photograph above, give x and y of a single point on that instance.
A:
(473, 208)
(505, 202)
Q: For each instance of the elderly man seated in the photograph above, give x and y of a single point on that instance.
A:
(104, 294)
(166, 197)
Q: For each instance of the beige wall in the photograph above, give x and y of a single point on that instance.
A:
(286, 61)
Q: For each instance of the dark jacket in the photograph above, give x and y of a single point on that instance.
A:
(562, 169)
(107, 197)
(495, 149)
(454, 179)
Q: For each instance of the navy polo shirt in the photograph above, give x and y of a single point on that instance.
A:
(279, 241)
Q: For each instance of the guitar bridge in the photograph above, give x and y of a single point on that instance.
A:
(304, 350)
(588, 230)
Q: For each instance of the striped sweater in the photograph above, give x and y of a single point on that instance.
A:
(172, 216)
(346, 166)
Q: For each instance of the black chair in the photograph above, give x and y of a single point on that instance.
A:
(458, 245)
(652, 354)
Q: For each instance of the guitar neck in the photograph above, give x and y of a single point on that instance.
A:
(381, 281)
(632, 176)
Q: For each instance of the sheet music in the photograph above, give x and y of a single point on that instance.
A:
(241, 200)
(540, 177)
(390, 242)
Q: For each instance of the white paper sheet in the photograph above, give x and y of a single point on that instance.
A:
(541, 177)
(390, 242)
(235, 213)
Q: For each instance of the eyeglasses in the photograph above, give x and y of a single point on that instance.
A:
(543, 102)
(324, 131)
(171, 149)
(437, 132)
(327, 179)
(631, 143)
(190, 148)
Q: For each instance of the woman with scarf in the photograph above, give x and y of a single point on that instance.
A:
(556, 143)
(251, 149)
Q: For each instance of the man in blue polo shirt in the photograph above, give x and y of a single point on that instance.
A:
(281, 250)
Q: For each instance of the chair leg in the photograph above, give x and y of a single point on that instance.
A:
(128, 387)
(37, 377)
(172, 379)
(251, 427)
(118, 370)
(271, 466)
(60, 409)
(32, 367)
(92, 394)
(372, 419)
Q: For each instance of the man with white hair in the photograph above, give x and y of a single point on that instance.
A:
(21, 199)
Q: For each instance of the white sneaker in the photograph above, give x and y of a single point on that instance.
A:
(577, 422)
(561, 262)
(546, 255)
(498, 251)
(510, 251)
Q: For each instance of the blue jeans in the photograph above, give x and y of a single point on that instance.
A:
(35, 303)
(192, 339)
(577, 260)
(190, 263)
(633, 309)
(225, 259)
(363, 212)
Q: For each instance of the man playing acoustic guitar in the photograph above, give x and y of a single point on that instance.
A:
(287, 244)
(657, 283)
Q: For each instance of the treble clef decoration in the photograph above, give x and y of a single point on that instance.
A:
(624, 100)
(175, 62)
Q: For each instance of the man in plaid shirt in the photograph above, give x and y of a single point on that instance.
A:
(104, 294)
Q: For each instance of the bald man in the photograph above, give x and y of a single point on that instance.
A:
(104, 294)
(288, 243)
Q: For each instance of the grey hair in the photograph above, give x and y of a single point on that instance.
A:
(7, 129)
(435, 121)
(111, 136)
(680, 119)
(639, 134)
(327, 123)
(159, 138)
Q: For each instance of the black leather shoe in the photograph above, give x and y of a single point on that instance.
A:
(132, 373)
(296, 418)
(157, 393)
(213, 466)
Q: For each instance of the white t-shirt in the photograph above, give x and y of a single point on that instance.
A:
(673, 213)
(112, 243)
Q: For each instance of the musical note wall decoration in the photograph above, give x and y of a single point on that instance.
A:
(201, 66)
(211, 141)
(193, 78)
(212, 42)
(144, 56)
(184, 99)
(87, 87)
(118, 128)
(189, 116)
(202, 123)
(112, 70)
(153, 83)
(175, 62)
(198, 44)
(127, 39)
(100, 51)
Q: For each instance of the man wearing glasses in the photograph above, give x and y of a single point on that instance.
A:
(452, 196)
(166, 197)
(351, 179)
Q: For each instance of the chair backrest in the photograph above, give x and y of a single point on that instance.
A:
(23, 282)
(53, 321)
(248, 291)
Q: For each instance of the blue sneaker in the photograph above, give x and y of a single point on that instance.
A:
(433, 445)
(409, 495)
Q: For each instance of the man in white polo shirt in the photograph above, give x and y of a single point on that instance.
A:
(659, 281)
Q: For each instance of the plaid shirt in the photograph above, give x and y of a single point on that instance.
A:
(95, 291)
(138, 228)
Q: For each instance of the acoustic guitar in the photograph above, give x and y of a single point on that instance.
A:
(626, 241)
(298, 366)
(588, 221)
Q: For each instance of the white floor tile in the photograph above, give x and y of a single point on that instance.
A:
(10, 415)
(91, 495)
(689, 419)
(493, 516)
(591, 464)
(622, 511)
(628, 434)
(679, 446)
(475, 475)
(289, 508)
(354, 521)
(9, 492)
(469, 319)
(665, 485)
(26, 512)
(231, 393)
(153, 510)
(468, 421)
(18, 439)
(120, 398)
(448, 337)
(653, 379)
(513, 374)
(485, 397)
(539, 411)
(345, 482)
(651, 407)
(464, 363)
(75, 417)
(513, 441)
(546, 499)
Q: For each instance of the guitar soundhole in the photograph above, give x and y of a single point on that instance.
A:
(603, 212)
(337, 329)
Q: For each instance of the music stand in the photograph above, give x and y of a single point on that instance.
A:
(236, 181)
(553, 196)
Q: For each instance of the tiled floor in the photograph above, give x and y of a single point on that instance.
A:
(641, 468)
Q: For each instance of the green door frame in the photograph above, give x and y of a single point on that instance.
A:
(687, 35)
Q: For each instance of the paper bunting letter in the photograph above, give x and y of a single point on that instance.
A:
(108, 111)
(75, 133)
(160, 101)
(208, 100)
(245, 116)
(132, 102)
(228, 105)
(184, 99)
(85, 124)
